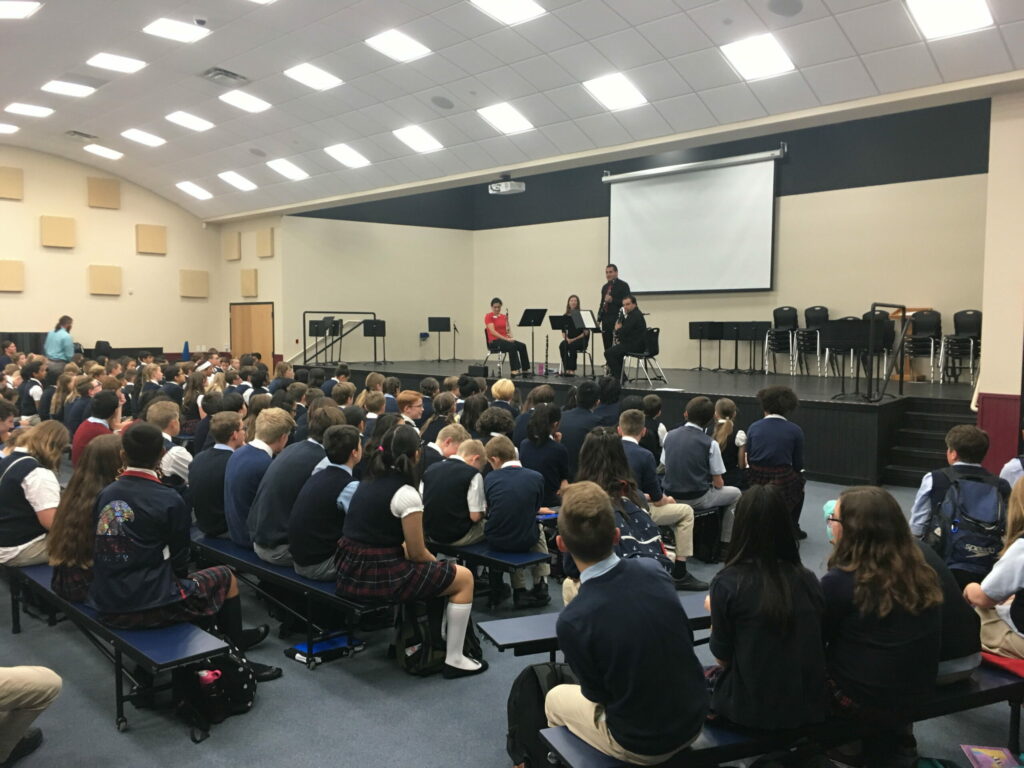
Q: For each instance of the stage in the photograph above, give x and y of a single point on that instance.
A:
(849, 440)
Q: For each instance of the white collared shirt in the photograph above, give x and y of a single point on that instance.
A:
(176, 461)
(257, 443)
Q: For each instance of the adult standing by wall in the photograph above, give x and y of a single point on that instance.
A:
(612, 294)
(59, 347)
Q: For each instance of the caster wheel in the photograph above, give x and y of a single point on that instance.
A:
(311, 665)
(122, 724)
(198, 735)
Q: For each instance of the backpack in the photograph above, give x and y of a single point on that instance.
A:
(526, 715)
(639, 535)
(212, 690)
(419, 647)
(966, 528)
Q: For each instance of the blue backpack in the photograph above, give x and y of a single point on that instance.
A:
(967, 527)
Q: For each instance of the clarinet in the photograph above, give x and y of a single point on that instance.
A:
(619, 319)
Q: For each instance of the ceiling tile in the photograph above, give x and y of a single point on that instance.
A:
(638, 13)
(627, 49)
(975, 55)
(473, 155)
(439, 69)
(412, 109)
(837, 81)
(470, 57)
(540, 110)
(727, 21)
(534, 145)
(785, 93)
(468, 21)
(507, 46)
(674, 35)
(407, 77)
(840, 6)
(474, 127)
(815, 42)
(878, 27)
(732, 103)
(643, 123)
(548, 33)
(583, 61)
(604, 130)
(686, 113)
(901, 69)
(543, 72)
(705, 69)
(574, 101)
(591, 18)
(658, 81)
(1013, 34)
(809, 10)
(506, 83)
(568, 137)
(1005, 11)
(504, 151)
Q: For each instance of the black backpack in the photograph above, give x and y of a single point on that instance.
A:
(526, 716)
(212, 690)
(419, 646)
(966, 528)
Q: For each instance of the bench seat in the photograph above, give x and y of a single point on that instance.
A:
(496, 562)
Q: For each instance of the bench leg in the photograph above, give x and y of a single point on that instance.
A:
(496, 579)
(1014, 739)
(15, 606)
(310, 664)
(121, 722)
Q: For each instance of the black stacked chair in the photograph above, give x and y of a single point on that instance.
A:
(779, 338)
(885, 337)
(835, 355)
(808, 339)
(925, 338)
(963, 344)
(648, 359)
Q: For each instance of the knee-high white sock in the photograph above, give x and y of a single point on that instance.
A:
(458, 620)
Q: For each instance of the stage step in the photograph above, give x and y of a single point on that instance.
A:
(936, 421)
(908, 477)
(942, 405)
(924, 459)
(934, 439)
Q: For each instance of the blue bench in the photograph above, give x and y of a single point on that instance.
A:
(246, 561)
(526, 635)
(495, 561)
(156, 650)
(721, 742)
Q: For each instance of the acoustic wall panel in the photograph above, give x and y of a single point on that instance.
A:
(12, 184)
(194, 283)
(12, 276)
(104, 280)
(151, 238)
(265, 243)
(231, 246)
(57, 231)
(250, 283)
(103, 193)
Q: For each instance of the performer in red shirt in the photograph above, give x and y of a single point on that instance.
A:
(499, 339)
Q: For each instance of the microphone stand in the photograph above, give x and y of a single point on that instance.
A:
(547, 344)
(455, 333)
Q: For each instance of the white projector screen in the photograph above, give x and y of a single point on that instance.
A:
(708, 230)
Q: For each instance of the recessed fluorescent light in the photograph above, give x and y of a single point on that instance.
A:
(505, 118)
(193, 189)
(237, 180)
(615, 92)
(187, 120)
(65, 88)
(107, 152)
(345, 155)
(314, 77)
(510, 11)
(245, 101)
(182, 31)
(15, 9)
(418, 139)
(116, 63)
(398, 45)
(30, 110)
(8, 128)
(758, 57)
(263, 2)
(288, 169)
(150, 140)
(945, 18)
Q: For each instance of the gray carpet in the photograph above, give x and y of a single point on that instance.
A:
(361, 711)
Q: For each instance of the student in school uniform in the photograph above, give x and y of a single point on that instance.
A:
(1013, 470)
(392, 385)
(246, 468)
(104, 411)
(175, 462)
(341, 374)
(448, 441)
(429, 387)
(257, 385)
(30, 391)
(78, 410)
(543, 393)
(609, 390)
(503, 390)
(443, 415)
(732, 442)
(454, 503)
(410, 407)
(284, 375)
(655, 430)
(46, 399)
(543, 452)
(208, 471)
(775, 450)
(174, 383)
(382, 554)
(577, 422)
(493, 422)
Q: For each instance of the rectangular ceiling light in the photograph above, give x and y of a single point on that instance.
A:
(193, 189)
(946, 18)
(64, 88)
(142, 137)
(29, 110)
(615, 92)
(263, 2)
(8, 128)
(107, 152)
(181, 31)
(245, 101)
(398, 45)
(15, 9)
(237, 180)
(116, 63)
(418, 139)
(288, 169)
(505, 118)
(345, 155)
(758, 57)
(510, 11)
(190, 121)
(314, 77)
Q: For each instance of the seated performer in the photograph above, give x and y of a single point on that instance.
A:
(630, 333)
(499, 339)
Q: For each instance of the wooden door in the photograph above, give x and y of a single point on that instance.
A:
(252, 330)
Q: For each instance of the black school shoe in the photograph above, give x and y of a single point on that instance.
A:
(253, 637)
(264, 672)
(450, 673)
(29, 743)
(537, 597)
(686, 581)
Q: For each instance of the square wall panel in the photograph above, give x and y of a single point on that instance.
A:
(103, 193)
(194, 283)
(250, 283)
(231, 246)
(12, 185)
(151, 238)
(56, 232)
(104, 280)
(265, 243)
(12, 276)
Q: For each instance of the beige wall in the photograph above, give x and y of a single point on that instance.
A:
(149, 311)
(228, 286)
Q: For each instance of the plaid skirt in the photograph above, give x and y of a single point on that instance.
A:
(209, 594)
(789, 482)
(71, 582)
(368, 573)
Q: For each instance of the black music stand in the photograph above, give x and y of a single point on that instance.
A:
(706, 331)
(377, 329)
(584, 319)
(440, 325)
(532, 318)
(731, 332)
(843, 336)
(753, 331)
(563, 324)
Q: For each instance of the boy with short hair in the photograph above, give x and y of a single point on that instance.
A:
(209, 467)
(166, 416)
(448, 441)
(642, 696)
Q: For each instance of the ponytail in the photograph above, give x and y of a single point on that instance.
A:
(396, 454)
(538, 428)
(725, 413)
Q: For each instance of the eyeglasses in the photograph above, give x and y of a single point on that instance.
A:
(833, 519)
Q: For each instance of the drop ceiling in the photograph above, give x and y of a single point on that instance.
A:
(844, 50)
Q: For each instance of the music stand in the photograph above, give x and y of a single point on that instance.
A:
(531, 319)
(440, 325)
(564, 324)
(753, 331)
(706, 331)
(584, 319)
(843, 335)
(377, 329)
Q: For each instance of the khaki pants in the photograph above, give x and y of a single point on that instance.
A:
(34, 554)
(24, 693)
(566, 705)
(539, 571)
(998, 637)
(473, 535)
(679, 517)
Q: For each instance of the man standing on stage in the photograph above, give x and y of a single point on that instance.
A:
(612, 294)
(630, 332)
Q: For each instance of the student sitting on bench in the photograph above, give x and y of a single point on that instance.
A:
(543, 452)
(642, 696)
(447, 443)
(318, 515)
(515, 496)
(775, 450)
(453, 496)
(141, 554)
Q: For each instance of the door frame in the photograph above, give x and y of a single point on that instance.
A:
(273, 342)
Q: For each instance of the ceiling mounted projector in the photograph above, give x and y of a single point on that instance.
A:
(506, 186)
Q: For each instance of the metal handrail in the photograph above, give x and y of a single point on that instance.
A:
(334, 339)
(897, 359)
